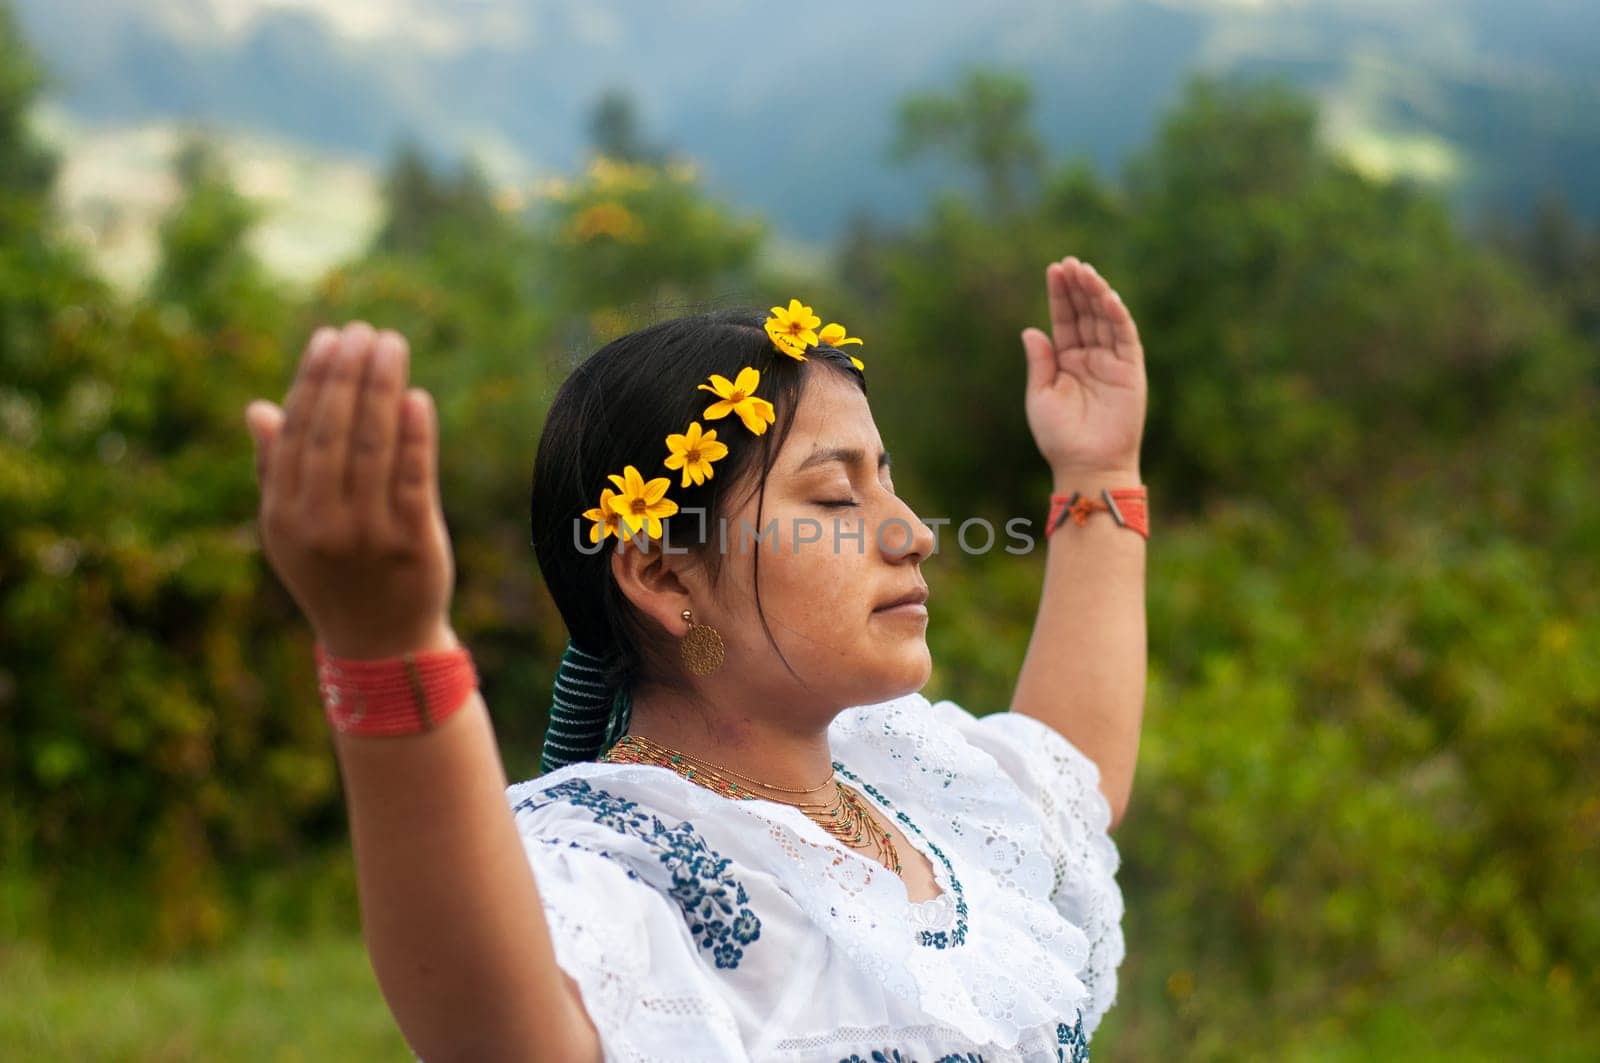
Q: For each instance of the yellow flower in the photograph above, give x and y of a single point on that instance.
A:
(794, 329)
(694, 453)
(641, 505)
(604, 517)
(857, 363)
(834, 336)
(737, 397)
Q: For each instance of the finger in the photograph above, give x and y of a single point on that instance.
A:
(1041, 355)
(1124, 332)
(1063, 315)
(1094, 288)
(378, 414)
(416, 465)
(1082, 308)
(263, 420)
(298, 407)
(328, 437)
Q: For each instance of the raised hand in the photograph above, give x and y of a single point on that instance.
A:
(350, 517)
(1086, 392)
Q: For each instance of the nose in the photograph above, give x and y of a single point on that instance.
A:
(899, 544)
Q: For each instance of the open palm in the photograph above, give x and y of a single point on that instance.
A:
(1086, 393)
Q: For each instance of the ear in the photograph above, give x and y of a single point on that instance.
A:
(657, 583)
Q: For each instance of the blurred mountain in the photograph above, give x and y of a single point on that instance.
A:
(791, 114)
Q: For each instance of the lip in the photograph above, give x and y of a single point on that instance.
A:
(914, 601)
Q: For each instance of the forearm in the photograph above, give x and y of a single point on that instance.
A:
(1084, 671)
(453, 919)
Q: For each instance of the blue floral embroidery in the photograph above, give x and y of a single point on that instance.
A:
(892, 1055)
(701, 885)
(939, 939)
(1074, 1045)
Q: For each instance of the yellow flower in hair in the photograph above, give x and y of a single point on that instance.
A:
(693, 453)
(858, 363)
(834, 336)
(737, 396)
(794, 329)
(641, 504)
(604, 517)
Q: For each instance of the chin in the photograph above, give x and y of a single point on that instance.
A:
(905, 673)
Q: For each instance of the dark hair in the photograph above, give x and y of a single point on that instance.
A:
(617, 408)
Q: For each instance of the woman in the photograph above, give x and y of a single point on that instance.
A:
(754, 838)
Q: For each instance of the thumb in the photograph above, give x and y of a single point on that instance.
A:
(262, 419)
(1040, 352)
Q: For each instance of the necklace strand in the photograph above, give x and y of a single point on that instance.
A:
(677, 756)
(844, 818)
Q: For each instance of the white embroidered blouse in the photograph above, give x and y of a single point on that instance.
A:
(700, 927)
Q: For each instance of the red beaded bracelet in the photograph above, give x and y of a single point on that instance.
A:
(406, 695)
(1128, 506)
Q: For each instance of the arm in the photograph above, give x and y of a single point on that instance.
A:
(452, 916)
(1084, 670)
(351, 522)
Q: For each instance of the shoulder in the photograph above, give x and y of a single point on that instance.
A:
(622, 798)
(639, 815)
(584, 791)
(944, 738)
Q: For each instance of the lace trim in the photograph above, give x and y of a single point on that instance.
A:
(938, 939)
(1066, 1041)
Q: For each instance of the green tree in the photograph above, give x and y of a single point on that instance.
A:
(983, 124)
(27, 169)
(206, 265)
(1562, 253)
(627, 234)
(1297, 300)
(426, 209)
(414, 201)
(614, 130)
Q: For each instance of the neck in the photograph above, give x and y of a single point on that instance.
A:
(769, 748)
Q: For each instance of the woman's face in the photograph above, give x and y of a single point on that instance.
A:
(837, 544)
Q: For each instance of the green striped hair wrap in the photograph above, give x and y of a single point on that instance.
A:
(584, 719)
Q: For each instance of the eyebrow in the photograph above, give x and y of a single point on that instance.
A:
(848, 455)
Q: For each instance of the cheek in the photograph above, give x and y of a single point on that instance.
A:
(815, 600)
(815, 593)
(815, 586)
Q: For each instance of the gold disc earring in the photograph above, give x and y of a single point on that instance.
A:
(701, 648)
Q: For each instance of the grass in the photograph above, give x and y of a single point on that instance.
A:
(265, 998)
(1452, 1010)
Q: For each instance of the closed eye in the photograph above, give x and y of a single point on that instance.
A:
(834, 504)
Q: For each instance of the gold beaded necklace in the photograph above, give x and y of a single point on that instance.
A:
(844, 817)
